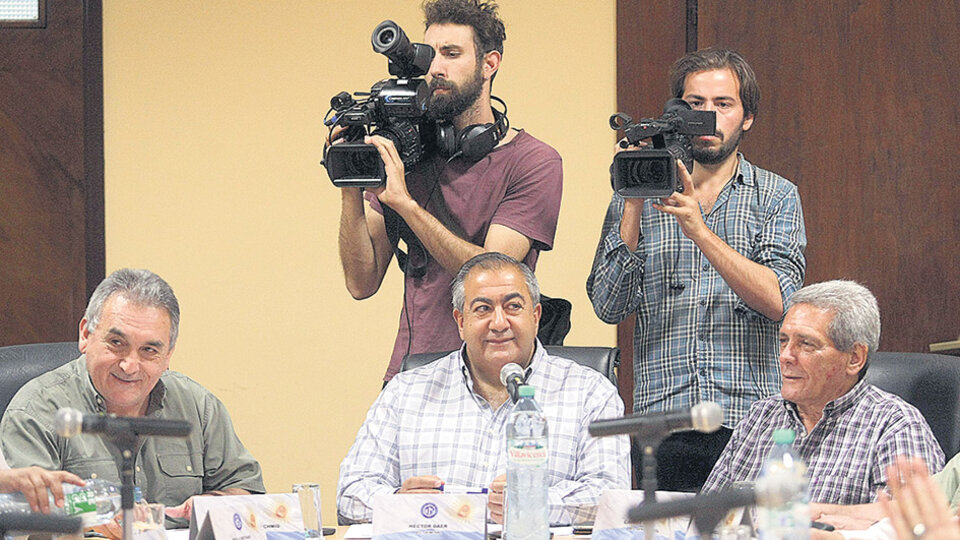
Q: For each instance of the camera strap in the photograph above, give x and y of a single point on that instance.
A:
(398, 229)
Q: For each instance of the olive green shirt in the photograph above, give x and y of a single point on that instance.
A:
(168, 470)
(949, 481)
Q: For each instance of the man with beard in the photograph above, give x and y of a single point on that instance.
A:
(449, 208)
(706, 271)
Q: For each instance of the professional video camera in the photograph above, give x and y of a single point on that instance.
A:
(652, 172)
(394, 108)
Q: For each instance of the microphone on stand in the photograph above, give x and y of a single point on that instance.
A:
(708, 510)
(705, 417)
(512, 376)
(70, 422)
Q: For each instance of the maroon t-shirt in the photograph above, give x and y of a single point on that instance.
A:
(517, 185)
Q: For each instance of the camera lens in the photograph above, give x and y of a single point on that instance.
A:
(386, 37)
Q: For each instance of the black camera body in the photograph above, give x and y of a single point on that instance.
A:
(394, 108)
(652, 172)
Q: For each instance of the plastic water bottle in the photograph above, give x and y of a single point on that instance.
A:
(784, 517)
(96, 503)
(526, 504)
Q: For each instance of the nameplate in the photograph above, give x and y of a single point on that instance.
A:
(274, 516)
(415, 516)
(611, 522)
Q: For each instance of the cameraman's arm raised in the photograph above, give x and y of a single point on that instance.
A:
(755, 283)
(365, 249)
(447, 248)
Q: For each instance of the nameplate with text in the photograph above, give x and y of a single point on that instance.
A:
(273, 516)
(415, 516)
(611, 522)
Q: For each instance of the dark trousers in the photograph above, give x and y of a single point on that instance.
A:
(684, 460)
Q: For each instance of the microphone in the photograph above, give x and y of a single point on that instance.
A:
(511, 375)
(70, 422)
(24, 522)
(708, 510)
(704, 417)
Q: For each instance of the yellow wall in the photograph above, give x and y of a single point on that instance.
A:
(213, 117)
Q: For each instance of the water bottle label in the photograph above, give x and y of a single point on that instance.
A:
(528, 454)
(79, 502)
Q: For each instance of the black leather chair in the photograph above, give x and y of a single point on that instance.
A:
(929, 382)
(606, 360)
(20, 363)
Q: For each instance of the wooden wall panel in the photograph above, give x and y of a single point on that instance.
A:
(51, 173)
(859, 109)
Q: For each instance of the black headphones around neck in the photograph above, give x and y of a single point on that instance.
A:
(475, 140)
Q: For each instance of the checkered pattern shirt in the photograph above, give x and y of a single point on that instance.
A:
(695, 339)
(430, 421)
(847, 452)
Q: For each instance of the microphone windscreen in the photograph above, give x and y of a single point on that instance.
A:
(68, 422)
(509, 371)
(707, 416)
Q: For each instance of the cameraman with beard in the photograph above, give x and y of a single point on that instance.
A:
(451, 207)
(707, 271)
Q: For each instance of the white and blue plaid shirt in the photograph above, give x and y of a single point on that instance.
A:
(695, 339)
(430, 421)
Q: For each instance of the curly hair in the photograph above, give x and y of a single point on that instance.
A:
(489, 32)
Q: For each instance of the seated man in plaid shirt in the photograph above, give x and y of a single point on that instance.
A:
(445, 422)
(848, 431)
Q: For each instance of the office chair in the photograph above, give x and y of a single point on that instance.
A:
(929, 382)
(21, 363)
(606, 360)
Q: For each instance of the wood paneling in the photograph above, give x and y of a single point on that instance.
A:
(51, 166)
(859, 109)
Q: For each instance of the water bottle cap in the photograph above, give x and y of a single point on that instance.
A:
(526, 390)
(784, 436)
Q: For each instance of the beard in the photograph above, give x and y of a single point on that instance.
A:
(713, 156)
(457, 100)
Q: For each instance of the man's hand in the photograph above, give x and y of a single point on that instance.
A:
(421, 484)
(34, 482)
(919, 508)
(394, 193)
(495, 498)
(684, 206)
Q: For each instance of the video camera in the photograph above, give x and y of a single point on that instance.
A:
(652, 172)
(394, 108)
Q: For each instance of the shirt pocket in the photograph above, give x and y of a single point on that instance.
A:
(182, 475)
(87, 468)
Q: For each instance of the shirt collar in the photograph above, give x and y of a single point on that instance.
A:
(833, 408)
(538, 354)
(744, 174)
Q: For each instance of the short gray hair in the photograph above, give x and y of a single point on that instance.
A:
(140, 287)
(492, 260)
(856, 316)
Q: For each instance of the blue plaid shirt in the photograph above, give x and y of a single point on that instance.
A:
(847, 453)
(429, 420)
(695, 339)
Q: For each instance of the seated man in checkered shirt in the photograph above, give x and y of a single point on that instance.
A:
(446, 422)
(848, 431)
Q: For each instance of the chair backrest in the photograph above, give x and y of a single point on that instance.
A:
(21, 363)
(606, 360)
(929, 382)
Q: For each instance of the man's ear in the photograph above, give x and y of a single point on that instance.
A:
(747, 122)
(491, 63)
(858, 359)
(459, 318)
(84, 336)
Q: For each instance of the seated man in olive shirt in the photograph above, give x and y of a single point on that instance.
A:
(127, 337)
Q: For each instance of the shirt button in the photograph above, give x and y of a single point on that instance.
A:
(706, 267)
(702, 336)
(703, 372)
(138, 468)
(93, 475)
(189, 467)
(703, 301)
